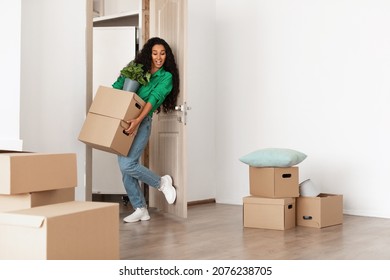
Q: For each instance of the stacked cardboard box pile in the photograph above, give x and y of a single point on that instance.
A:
(39, 217)
(275, 202)
(272, 202)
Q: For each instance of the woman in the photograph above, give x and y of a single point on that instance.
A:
(160, 93)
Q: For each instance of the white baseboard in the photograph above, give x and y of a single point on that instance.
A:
(371, 214)
(11, 144)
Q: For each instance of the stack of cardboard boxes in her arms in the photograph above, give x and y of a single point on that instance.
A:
(39, 217)
(276, 200)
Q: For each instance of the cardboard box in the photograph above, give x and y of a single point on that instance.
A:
(64, 231)
(32, 172)
(322, 211)
(269, 213)
(103, 128)
(27, 200)
(274, 182)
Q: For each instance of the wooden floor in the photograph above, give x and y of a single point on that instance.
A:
(215, 232)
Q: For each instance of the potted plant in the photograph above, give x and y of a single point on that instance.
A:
(135, 76)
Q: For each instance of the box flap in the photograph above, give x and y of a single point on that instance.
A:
(35, 217)
(15, 219)
(64, 208)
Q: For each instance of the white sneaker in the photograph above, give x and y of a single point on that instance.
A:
(140, 214)
(168, 190)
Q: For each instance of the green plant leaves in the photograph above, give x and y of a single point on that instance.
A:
(135, 72)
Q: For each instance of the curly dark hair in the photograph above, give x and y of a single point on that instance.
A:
(145, 57)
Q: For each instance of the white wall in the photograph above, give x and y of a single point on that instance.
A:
(10, 22)
(312, 76)
(201, 86)
(53, 87)
(308, 75)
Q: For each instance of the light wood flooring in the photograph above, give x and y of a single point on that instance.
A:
(215, 232)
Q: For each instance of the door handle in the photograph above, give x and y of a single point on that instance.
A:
(184, 111)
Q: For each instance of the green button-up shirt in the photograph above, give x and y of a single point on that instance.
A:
(155, 92)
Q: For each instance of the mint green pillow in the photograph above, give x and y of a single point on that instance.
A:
(273, 157)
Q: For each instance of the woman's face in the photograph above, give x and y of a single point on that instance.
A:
(158, 57)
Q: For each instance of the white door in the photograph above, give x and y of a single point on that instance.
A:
(167, 143)
(113, 48)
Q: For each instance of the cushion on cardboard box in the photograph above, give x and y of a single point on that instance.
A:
(273, 157)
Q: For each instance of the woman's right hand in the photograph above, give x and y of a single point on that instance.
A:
(133, 125)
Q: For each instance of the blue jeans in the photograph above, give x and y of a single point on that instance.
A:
(133, 171)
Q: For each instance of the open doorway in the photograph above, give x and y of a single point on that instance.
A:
(114, 34)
